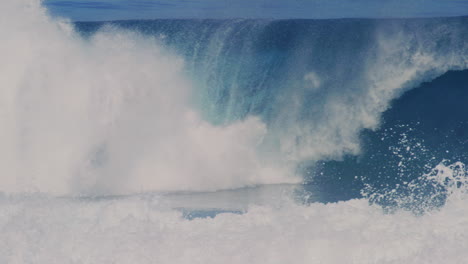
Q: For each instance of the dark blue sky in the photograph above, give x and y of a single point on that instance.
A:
(150, 9)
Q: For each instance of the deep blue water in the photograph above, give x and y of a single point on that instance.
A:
(432, 116)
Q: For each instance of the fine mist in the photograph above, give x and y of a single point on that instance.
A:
(110, 115)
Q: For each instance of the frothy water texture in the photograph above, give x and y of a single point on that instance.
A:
(140, 230)
(111, 131)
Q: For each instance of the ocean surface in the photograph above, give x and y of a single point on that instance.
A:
(232, 140)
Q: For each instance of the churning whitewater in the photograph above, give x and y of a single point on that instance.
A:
(111, 115)
(112, 131)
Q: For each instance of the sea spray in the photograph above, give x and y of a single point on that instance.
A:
(111, 114)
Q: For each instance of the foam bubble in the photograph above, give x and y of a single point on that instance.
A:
(313, 80)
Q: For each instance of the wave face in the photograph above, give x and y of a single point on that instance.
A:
(111, 132)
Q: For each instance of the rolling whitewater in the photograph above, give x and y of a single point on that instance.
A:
(232, 140)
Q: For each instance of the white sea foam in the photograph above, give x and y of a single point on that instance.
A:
(142, 229)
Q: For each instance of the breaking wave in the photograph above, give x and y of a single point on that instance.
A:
(109, 130)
